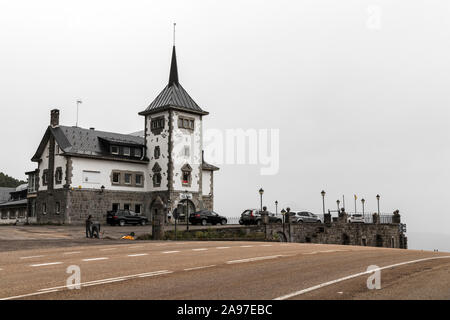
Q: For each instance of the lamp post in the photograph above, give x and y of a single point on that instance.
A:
(261, 192)
(338, 202)
(363, 201)
(276, 207)
(378, 202)
(323, 201)
(186, 211)
(283, 212)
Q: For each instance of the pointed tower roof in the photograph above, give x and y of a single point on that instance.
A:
(173, 96)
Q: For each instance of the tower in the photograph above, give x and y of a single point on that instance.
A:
(173, 134)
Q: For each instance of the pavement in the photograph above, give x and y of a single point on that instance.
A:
(202, 270)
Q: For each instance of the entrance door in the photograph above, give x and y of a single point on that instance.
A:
(188, 208)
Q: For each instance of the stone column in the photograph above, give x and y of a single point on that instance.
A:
(327, 218)
(158, 219)
(343, 216)
(396, 217)
(265, 216)
(375, 218)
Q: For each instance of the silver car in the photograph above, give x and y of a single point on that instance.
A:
(356, 218)
(305, 216)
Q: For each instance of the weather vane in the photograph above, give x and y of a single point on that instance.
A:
(174, 26)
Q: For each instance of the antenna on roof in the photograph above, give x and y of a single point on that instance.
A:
(174, 26)
(78, 107)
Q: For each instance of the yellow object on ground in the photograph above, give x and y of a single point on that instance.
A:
(127, 237)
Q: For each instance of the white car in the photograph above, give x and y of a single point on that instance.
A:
(356, 218)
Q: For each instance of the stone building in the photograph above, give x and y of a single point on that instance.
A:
(15, 208)
(86, 171)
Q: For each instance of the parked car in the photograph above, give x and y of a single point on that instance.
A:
(356, 218)
(305, 216)
(123, 217)
(204, 217)
(253, 217)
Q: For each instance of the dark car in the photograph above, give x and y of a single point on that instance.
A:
(253, 216)
(204, 217)
(123, 217)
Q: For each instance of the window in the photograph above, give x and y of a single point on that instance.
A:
(186, 123)
(114, 149)
(58, 150)
(12, 214)
(126, 151)
(128, 178)
(139, 179)
(115, 207)
(157, 179)
(4, 214)
(58, 207)
(126, 207)
(116, 178)
(91, 177)
(186, 151)
(137, 208)
(157, 124)
(58, 175)
(44, 208)
(45, 177)
(137, 152)
(157, 152)
(186, 175)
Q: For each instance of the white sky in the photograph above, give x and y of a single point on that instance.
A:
(359, 110)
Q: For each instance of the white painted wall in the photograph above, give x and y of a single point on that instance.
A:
(182, 138)
(161, 140)
(105, 168)
(60, 161)
(42, 166)
(206, 183)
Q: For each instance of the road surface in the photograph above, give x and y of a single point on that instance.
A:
(223, 270)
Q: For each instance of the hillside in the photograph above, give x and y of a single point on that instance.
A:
(9, 182)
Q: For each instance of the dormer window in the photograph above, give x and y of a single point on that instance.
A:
(114, 149)
(137, 152)
(157, 125)
(126, 151)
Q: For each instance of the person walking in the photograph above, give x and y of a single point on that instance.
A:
(89, 227)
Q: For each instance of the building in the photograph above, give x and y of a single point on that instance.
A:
(15, 208)
(85, 172)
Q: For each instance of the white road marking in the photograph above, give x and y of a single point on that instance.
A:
(171, 251)
(26, 295)
(198, 268)
(108, 249)
(45, 264)
(266, 245)
(138, 255)
(300, 292)
(223, 248)
(95, 259)
(200, 249)
(74, 252)
(314, 252)
(32, 257)
(247, 246)
(253, 259)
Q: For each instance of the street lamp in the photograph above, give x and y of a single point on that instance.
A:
(338, 202)
(283, 212)
(276, 207)
(323, 200)
(261, 192)
(363, 201)
(378, 202)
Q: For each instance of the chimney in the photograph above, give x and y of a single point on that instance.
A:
(54, 118)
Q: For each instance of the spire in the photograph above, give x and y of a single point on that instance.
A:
(173, 78)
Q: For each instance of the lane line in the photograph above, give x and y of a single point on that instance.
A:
(170, 252)
(266, 245)
(200, 249)
(223, 248)
(108, 249)
(253, 259)
(138, 255)
(95, 259)
(300, 292)
(74, 252)
(32, 257)
(246, 246)
(135, 247)
(198, 268)
(45, 264)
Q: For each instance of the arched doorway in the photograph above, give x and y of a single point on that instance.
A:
(345, 239)
(378, 240)
(185, 206)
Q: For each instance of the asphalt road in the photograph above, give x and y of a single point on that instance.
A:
(223, 270)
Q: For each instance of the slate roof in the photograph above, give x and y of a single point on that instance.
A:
(5, 194)
(22, 202)
(86, 142)
(173, 95)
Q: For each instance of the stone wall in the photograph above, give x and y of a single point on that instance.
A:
(358, 234)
